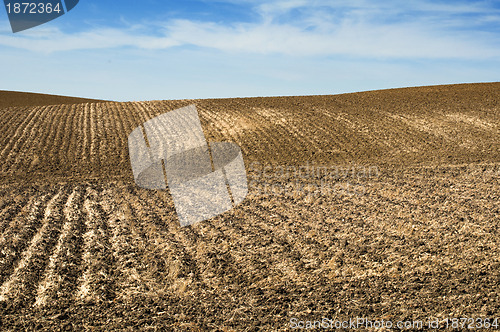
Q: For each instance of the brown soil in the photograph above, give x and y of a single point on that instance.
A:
(401, 224)
(16, 99)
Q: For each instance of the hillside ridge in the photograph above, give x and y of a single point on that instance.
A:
(439, 125)
(23, 99)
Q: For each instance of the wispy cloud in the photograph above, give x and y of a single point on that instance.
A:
(49, 40)
(389, 29)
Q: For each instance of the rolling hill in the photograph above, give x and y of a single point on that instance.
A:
(16, 99)
(402, 227)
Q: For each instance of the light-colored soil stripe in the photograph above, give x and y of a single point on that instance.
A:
(18, 235)
(18, 116)
(85, 129)
(9, 211)
(170, 263)
(129, 251)
(45, 142)
(53, 279)
(62, 138)
(119, 124)
(20, 280)
(16, 140)
(28, 137)
(94, 141)
(209, 243)
(76, 146)
(94, 284)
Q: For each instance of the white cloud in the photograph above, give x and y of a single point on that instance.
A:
(49, 40)
(351, 28)
(348, 38)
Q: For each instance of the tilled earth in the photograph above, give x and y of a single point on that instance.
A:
(403, 245)
(406, 232)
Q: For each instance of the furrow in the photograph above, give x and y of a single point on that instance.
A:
(20, 288)
(12, 147)
(294, 230)
(52, 121)
(94, 138)
(96, 283)
(123, 129)
(16, 118)
(25, 146)
(129, 252)
(284, 257)
(86, 130)
(20, 233)
(223, 124)
(76, 146)
(220, 258)
(109, 136)
(69, 151)
(64, 135)
(64, 265)
(142, 112)
(170, 261)
(10, 209)
(6, 120)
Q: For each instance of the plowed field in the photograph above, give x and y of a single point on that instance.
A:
(395, 215)
(13, 99)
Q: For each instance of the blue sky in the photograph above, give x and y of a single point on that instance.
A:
(152, 49)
